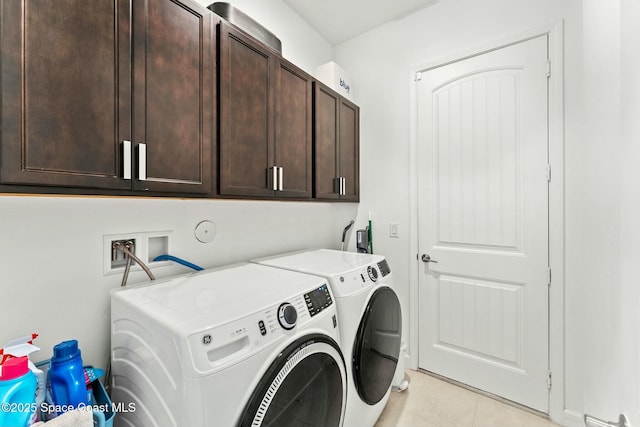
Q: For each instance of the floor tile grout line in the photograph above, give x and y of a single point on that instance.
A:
(475, 412)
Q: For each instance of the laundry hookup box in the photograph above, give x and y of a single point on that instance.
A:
(336, 78)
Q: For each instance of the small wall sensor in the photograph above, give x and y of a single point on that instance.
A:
(205, 231)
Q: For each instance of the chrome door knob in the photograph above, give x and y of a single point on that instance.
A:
(427, 258)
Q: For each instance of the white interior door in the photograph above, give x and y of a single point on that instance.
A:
(483, 220)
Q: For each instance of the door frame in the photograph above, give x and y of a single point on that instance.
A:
(554, 31)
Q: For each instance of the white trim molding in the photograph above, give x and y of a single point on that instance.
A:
(573, 419)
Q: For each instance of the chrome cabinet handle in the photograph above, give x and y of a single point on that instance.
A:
(427, 258)
(126, 159)
(340, 185)
(280, 178)
(142, 162)
(274, 178)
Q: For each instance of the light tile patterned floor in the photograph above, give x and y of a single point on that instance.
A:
(430, 402)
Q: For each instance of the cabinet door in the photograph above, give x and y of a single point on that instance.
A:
(62, 122)
(325, 161)
(246, 114)
(293, 127)
(349, 155)
(173, 99)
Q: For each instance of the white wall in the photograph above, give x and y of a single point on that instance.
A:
(598, 199)
(629, 344)
(380, 63)
(51, 250)
(609, 208)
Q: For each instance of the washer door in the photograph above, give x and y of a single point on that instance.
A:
(377, 345)
(305, 386)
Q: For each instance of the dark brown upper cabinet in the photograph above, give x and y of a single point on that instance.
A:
(108, 95)
(265, 108)
(293, 130)
(336, 146)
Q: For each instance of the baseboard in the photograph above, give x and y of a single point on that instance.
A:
(572, 419)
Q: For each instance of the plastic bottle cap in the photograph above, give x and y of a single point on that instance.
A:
(14, 368)
(65, 350)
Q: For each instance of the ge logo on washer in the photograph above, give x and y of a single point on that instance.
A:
(206, 339)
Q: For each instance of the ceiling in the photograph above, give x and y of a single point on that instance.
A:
(340, 20)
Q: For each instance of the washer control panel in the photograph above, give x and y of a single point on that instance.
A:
(215, 347)
(318, 299)
(384, 267)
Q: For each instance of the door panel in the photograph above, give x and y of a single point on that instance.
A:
(478, 197)
(349, 126)
(173, 99)
(245, 97)
(61, 119)
(337, 145)
(482, 319)
(293, 131)
(483, 217)
(326, 105)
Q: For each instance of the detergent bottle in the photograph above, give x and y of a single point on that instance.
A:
(23, 346)
(17, 393)
(65, 379)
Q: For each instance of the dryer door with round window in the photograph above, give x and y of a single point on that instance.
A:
(304, 386)
(377, 345)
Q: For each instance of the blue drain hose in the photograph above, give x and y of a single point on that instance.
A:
(179, 261)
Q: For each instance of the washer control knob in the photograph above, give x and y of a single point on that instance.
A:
(373, 273)
(287, 316)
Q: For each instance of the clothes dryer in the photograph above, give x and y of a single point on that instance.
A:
(244, 345)
(370, 322)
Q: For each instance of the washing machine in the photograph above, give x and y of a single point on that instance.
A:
(370, 322)
(244, 345)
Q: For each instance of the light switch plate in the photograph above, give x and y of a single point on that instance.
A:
(394, 230)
